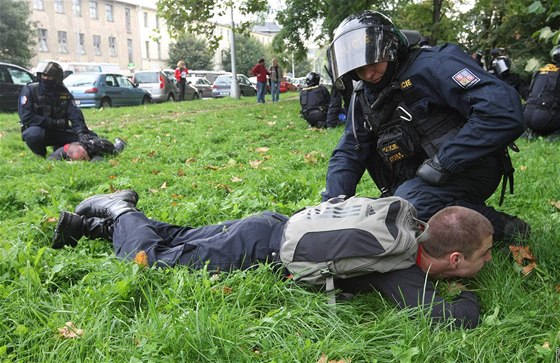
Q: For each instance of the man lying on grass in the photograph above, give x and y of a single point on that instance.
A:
(459, 244)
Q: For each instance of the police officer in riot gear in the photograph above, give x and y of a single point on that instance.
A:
(428, 124)
(48, 113)
(314, 100)
(542, 109)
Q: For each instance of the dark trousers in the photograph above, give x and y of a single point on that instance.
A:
(236, 244)
(182, 85)
(38, 138)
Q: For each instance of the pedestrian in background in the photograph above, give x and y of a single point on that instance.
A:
(276, 75)
(181, 75)
(260, 71)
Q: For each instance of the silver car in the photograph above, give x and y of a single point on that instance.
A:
(203, 85)
(158, 84)
(222, 86)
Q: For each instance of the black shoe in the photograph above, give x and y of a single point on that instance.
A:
(516, 230)
(71, 227)
(108, 205)
(119, 145)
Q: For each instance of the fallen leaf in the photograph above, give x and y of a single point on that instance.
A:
(236, 180)
(262, 149)
(43, 191)
(180, 173)
(135, 160)
(324, 359)
(227, 290)
(177, 196)
(151, 154)
(271, 123)
(164, 185)
(523, 257)
(522, 168)
(153, 191)
(69, 331)
(112, 177)
(141, 259)
(190, 160)
(546, 345)
(226, 187)
(255, 163)
(557, 288)
(155, 172)
(52, 219)
(555, 203)
(113, 162)
(211, 167)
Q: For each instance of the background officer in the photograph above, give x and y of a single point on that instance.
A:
(542, 109)
(48, 113)
(428, 124)
(314, 100)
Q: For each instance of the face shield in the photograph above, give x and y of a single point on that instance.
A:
(360, 47)
(500, 65)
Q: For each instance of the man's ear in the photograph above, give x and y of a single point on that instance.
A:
(455, 259)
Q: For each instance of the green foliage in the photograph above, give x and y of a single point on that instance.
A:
(201, 162)
(248, 51)
(17, 33)
(197, 16)
(193, 51)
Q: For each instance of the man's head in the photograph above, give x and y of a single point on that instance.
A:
(51, 76)
(261, 61)
(312, 79)
(363, 40)
(459, 242)
(76, 151)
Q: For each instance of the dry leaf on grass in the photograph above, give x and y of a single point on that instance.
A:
(52, 219)
(190, 160)
(271, 123)
(211, 167)
(522, 168)
(523, 257)
(262, 149)
(236, 179)
(325, 359)
(180, 173)
(555, 203)
(113, 162)
(141, 259)
(226, 187)
(164, 185)
(69, 331)
(255, 163)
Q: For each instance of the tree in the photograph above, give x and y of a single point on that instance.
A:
(193, 51)
(196, 16)
(17, 33)
(248, 51)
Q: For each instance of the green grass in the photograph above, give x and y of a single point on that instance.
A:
(201, 162)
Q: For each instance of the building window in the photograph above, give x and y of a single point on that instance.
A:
(157, 22)
(97, 44)
(43, 45)
(112, 46)
(62, 42)
(109, 12)
(127, 20)
(130, 51)
(93, 10)
(77, 7)
(145, 19)
(59, 6)
(81, 43)
(38, 4)
(158, 50)
(147, 49)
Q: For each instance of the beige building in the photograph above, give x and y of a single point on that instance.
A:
(122, 32)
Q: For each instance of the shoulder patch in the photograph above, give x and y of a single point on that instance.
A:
(465, 78)
(23, 100)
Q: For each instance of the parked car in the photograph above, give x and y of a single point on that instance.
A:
(203, 86)
(105, 90)
(158, 84)
(286, 86)
(254, 82)
(191, 92)
(299, 83)
(222, 86)
(12, 80)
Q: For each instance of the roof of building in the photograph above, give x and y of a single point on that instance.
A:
(267, 27)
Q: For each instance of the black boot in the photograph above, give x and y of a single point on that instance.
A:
(71, 227)
(108, 205)
(516, 230)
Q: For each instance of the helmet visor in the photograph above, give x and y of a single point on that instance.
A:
(360, 47)
(500, 65)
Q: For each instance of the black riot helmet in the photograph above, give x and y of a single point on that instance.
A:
(555, 54)
(312, 79)
(364, 38)
(54, 70)
(501, 65)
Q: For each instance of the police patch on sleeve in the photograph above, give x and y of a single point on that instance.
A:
(465, 78)
(23, 100)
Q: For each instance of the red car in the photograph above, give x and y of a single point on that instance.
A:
(286, 86)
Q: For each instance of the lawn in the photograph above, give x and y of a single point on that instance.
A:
(206, 161)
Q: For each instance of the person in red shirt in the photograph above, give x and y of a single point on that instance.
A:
(260, 71)
(181, 76)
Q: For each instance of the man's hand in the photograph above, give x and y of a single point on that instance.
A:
(432, 172)
(59, 123)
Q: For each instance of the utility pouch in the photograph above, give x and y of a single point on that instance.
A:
(395, 144)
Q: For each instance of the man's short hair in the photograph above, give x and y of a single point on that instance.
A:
(77, 151)
(456, 229)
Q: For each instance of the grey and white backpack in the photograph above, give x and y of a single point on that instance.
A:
(339, 238)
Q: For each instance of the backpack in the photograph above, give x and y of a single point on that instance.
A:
(339, 239)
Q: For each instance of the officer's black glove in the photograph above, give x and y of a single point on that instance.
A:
(58, 123)
(432, 172)
(83, 136)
